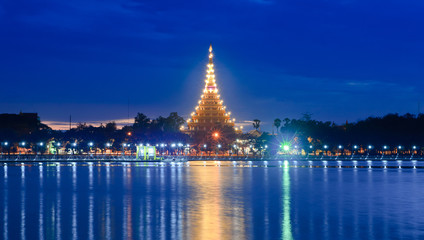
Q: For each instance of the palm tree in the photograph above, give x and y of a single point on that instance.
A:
(256, 123)
(277, 124)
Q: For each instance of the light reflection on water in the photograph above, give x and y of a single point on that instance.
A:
(130, 201)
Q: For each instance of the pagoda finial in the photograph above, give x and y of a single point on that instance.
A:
(210, 54)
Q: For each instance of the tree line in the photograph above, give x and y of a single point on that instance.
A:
(392, 129)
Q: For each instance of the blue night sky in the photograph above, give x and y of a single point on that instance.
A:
(337, 59)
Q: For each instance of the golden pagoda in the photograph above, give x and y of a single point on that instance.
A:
(210, 112)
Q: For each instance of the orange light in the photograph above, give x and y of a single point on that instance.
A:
(215, 135)
(129, 133)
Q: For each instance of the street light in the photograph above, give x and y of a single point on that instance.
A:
(22, 144)
(90, 144)
(219, 147)
(57, 150)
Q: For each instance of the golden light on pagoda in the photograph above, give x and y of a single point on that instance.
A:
(210, 110)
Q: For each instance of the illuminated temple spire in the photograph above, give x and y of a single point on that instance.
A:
(210, 54)
(210, 112)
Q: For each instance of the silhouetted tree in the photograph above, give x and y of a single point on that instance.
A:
(277, 124)
(256, 123)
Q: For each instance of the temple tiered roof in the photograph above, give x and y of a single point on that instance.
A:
(210, 112)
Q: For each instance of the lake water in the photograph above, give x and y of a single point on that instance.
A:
(216, 201)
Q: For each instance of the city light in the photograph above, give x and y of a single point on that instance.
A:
(215, 134)
(286, 147)
(384, 147)
(107, 144)
(219, 145)
(129, 133)
(340, 146)
(90, 144)
(41, 144)
(204, 145)
(58, 144)
(355, 146)
(74, 144)
(173, 145)
(325, 146)
(369, 146)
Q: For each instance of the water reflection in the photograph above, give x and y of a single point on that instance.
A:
(6, 203)
(74, 202)
(110, 201)
(41, 204)
(58, 208)
(23, 193)
(286, 224)
(212, 213)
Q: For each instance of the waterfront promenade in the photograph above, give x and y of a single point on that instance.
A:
(352, 161)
